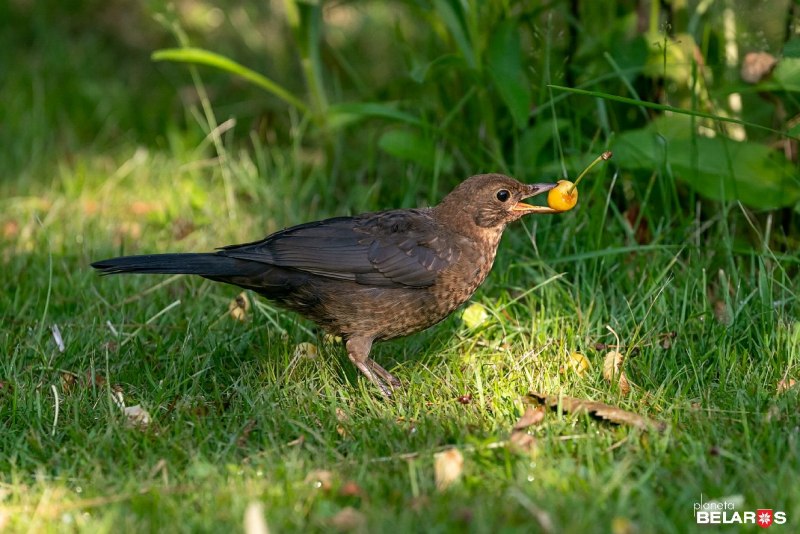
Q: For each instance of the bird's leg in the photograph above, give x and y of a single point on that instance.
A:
(358, 352)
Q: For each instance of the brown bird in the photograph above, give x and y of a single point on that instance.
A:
(371, 277)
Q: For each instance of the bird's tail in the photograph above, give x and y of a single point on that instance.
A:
(203, 264)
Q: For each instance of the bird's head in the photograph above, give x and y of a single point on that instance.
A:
(491, 201)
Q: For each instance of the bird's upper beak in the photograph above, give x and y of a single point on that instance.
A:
(533, 190)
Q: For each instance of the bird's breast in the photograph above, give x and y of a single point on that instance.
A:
(458, 283)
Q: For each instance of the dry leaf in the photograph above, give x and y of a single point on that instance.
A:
(612, 368)
(254, 521)
(127, 231)
(95, 379)
(578, 363)
(141, 207)
(305, 350)
(118, 398)
(641, 231)
(522, 442)
(351, 489)
(348, 519)
(68, 381)
(474, 315)
(599, 410)
(531, 417)
(786, 384)
(239, 306)
(624, 385)
(137, 416)
(447, 467)
(10, 229)
(612, 364)
(298, 441)
(342, 417)
(331, 339)
(666, 339)
(241, 441)
(756, 66)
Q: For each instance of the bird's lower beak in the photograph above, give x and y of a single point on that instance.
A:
(533, 190)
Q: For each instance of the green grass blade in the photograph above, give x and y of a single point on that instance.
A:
(354, 111)
(451, 19)
(508, 74)
(663, 107)
(198, 56)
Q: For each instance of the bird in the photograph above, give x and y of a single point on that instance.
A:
(369, 277)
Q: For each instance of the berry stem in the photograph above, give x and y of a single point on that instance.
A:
(605, 156)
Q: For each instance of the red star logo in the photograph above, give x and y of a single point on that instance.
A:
(764, 517)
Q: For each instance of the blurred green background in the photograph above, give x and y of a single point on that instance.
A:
(443, 88)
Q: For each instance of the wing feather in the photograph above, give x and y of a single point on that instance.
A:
(392, 248)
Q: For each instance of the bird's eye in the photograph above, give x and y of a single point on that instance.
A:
(503, 195)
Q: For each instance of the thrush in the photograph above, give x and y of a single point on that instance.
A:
(370, 277)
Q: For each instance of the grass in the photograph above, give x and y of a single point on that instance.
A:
(237, 418)
(703, 296)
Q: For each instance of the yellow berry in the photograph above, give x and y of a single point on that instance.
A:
(560, 198)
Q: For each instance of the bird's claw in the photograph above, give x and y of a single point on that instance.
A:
(379, 376)
(385, 381)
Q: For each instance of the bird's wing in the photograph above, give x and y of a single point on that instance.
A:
(402, 248)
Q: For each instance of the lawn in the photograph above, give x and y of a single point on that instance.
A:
(162, 403)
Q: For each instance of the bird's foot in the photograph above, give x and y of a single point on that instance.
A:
(385, 376)
(358, 352)
(379, 376)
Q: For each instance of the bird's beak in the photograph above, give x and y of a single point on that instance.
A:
(533, 190)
